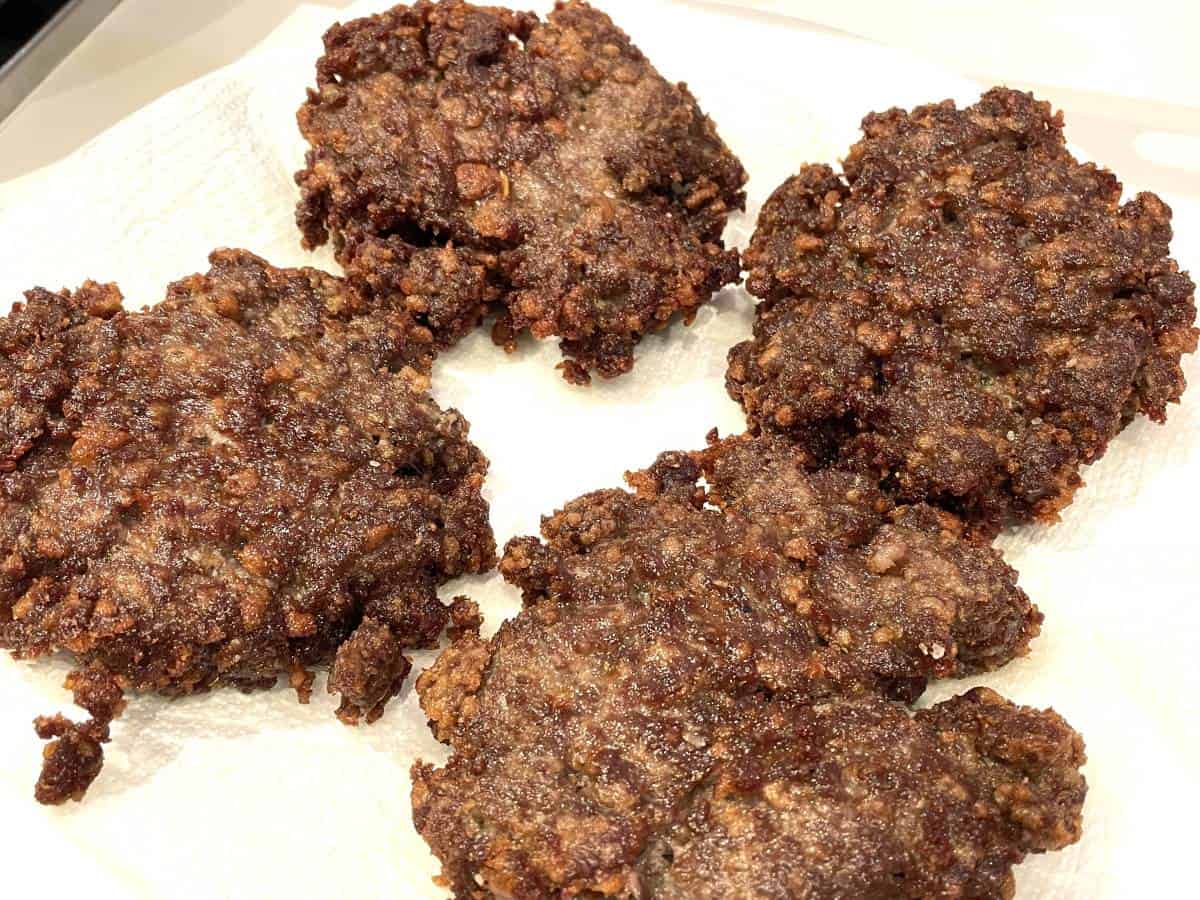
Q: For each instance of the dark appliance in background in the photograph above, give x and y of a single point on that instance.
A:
(35, 36)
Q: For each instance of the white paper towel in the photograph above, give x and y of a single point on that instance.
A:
(243, 796)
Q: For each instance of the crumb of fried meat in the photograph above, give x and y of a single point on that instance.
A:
(967, 311)
(663, 634)
(241, 482)
(466, 158)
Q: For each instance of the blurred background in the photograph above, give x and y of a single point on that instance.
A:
(1128, 72)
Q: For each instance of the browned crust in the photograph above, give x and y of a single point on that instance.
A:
(855, 798)
(665, 633)
(227, 487)
(464, 158)
(967, 312)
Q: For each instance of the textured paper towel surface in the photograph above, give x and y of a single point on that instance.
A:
(241, 796)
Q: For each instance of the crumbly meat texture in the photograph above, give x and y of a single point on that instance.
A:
(464, 158)
(856, 798)
(238, 483)
(967, 311)
(656, 623)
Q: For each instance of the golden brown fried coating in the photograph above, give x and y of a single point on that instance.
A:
(463, 157)
(967, 311)
(658, 627)
(235, 484)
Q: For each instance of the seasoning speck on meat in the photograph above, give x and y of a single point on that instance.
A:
(464, 158)
(241, 482)
(967, 311)
(665, 638)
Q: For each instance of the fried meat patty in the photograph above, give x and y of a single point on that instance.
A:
(662, 629)
(966, 311)
(467, 157)
(243, 481)
(855, 797)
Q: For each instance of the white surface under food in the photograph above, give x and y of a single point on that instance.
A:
(228, 795)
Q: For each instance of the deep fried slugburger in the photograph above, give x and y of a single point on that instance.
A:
(466, 157)
(663, 631)
(241, 482)
(857, 798)
(967, 312)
